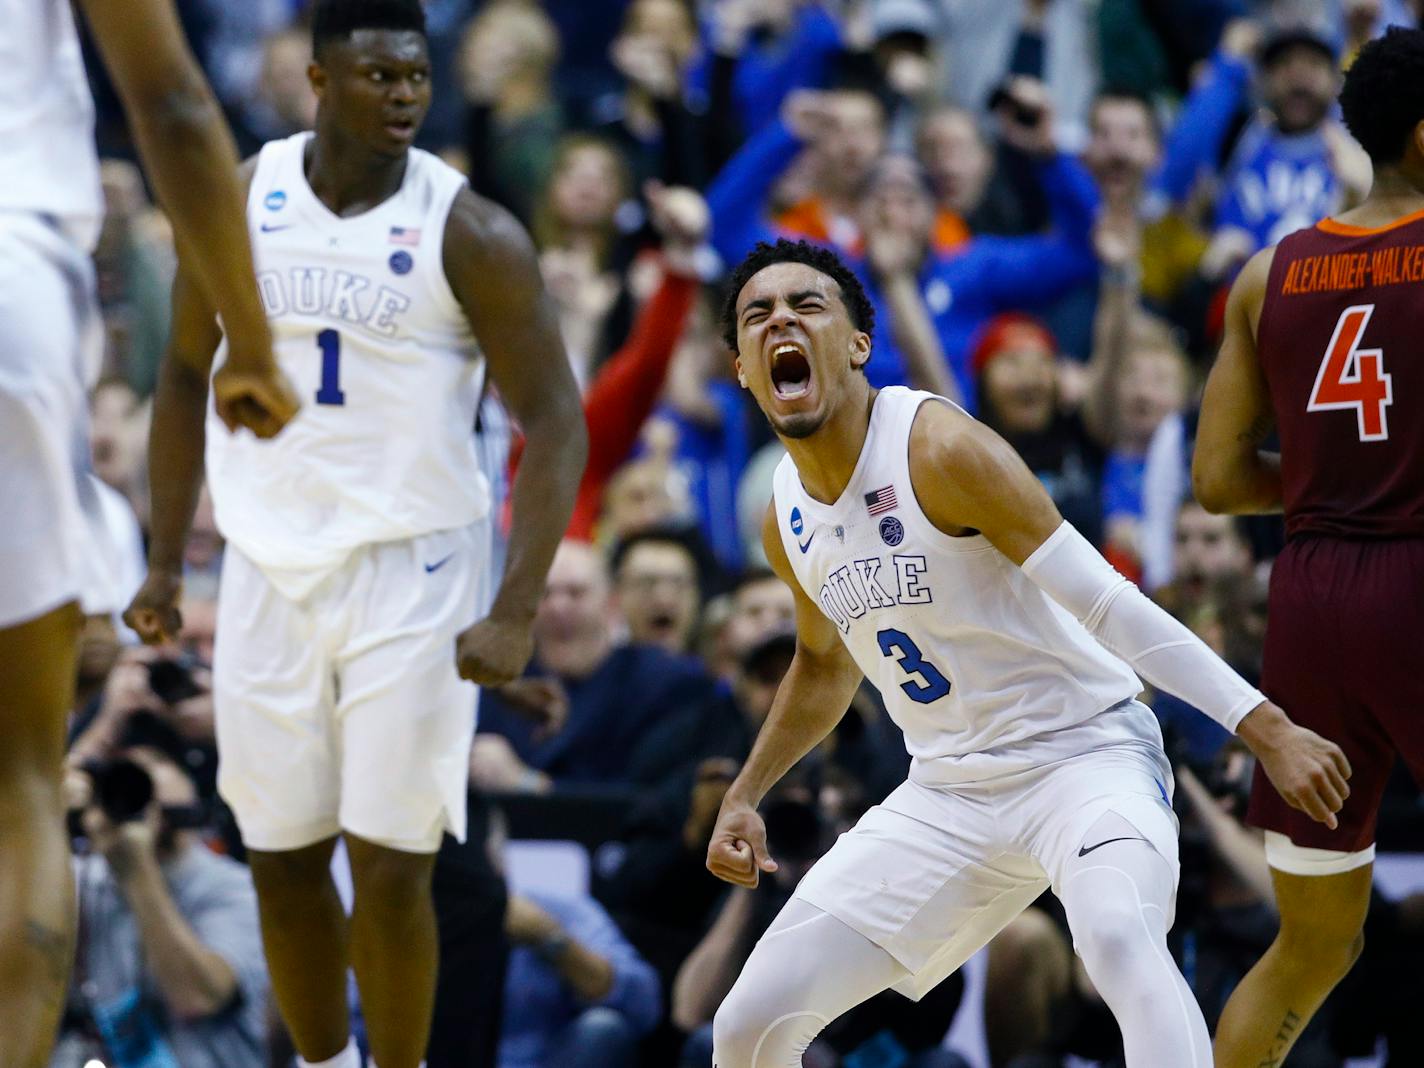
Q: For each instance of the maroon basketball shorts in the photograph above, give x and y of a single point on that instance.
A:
(1345, 657)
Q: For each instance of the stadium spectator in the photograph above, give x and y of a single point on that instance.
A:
(756, 52)
(514, 120)
(577, 995)
(618, 697)
(657, 581)
(650, 121)
(961, 288)
(169, 967)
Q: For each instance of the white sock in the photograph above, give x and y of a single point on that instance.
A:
(350, 1057)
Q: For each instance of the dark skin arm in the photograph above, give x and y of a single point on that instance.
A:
(189, 155)
(176, 440)
(493, 270)
(969, 479)
(1230, 471)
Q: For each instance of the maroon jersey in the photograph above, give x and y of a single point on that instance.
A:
(1341, 343)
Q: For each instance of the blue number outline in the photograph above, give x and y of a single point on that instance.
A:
(912, 662)
(330, 392)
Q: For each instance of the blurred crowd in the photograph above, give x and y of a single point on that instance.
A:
(1046, 200)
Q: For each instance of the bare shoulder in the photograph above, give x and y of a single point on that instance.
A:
(482, 235)
(945, 439)
(968, 479)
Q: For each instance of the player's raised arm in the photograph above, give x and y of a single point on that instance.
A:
(812, 698)
(188, 153)
(176, 439)
(967, 478)
(492, 268)
(1230, 471)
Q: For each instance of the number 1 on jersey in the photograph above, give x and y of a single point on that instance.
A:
(1352, 377)
(329, 341)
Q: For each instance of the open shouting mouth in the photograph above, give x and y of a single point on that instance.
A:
(790, 371)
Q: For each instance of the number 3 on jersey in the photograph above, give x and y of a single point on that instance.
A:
(1351, 377)
(329, 341)
(912, 662)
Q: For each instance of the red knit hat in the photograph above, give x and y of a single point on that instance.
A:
(1006, 331)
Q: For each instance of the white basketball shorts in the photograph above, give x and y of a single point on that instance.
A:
(50, 340)
(934, 873)
(343, 710)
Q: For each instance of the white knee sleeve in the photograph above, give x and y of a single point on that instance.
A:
(807, 969)
(1119, 899)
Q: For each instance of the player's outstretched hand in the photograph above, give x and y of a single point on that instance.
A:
(1309, 771)
(737, 853)
(260, 399)
(493, 652)
(153, 613)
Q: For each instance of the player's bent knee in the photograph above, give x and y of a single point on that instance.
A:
(390, 878)
(1327, 951)
(760, 1032)
(290, 871)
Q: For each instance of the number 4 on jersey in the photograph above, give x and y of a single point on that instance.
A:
(1351, 377)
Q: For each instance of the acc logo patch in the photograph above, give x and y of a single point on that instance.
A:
(401, 262)
(892, 531)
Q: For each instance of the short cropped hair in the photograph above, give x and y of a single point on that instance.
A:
(817, 257)
(336, 20)
(1381, 99)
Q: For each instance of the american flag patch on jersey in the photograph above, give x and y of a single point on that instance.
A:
(404, 235)
(880, 501)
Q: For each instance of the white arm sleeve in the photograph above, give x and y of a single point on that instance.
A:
(1127, 624)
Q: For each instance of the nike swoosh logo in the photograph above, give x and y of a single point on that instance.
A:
(430, 568)
(1083, 851)
(807, 544)
(273, 229)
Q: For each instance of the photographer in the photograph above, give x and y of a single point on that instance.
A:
(168, 967)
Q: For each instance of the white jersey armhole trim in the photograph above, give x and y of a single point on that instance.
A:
(445, 192)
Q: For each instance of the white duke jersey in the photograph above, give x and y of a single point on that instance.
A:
(983, 671)
(48, 163)
(386, 365)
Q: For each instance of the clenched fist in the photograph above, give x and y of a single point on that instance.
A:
(493, 651)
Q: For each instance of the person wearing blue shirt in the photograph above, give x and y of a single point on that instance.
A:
(961, 287)
(577, 994)
(1287, 171)
(767, 50)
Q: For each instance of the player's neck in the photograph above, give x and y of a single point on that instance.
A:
(1394, 195)
(826, 460)
(349, 178)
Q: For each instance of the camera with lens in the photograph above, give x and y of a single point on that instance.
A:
(122, 789)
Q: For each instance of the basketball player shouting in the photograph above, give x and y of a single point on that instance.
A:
(926, 556)
(358, 541)
(50, 340)
(1322, 341)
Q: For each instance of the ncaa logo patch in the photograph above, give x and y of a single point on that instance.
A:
(796, 524)
(892, 531)
(401, 262)
(276, 200)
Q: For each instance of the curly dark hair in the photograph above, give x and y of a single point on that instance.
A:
(335, 20)
(857, 304)
(1381, 99)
